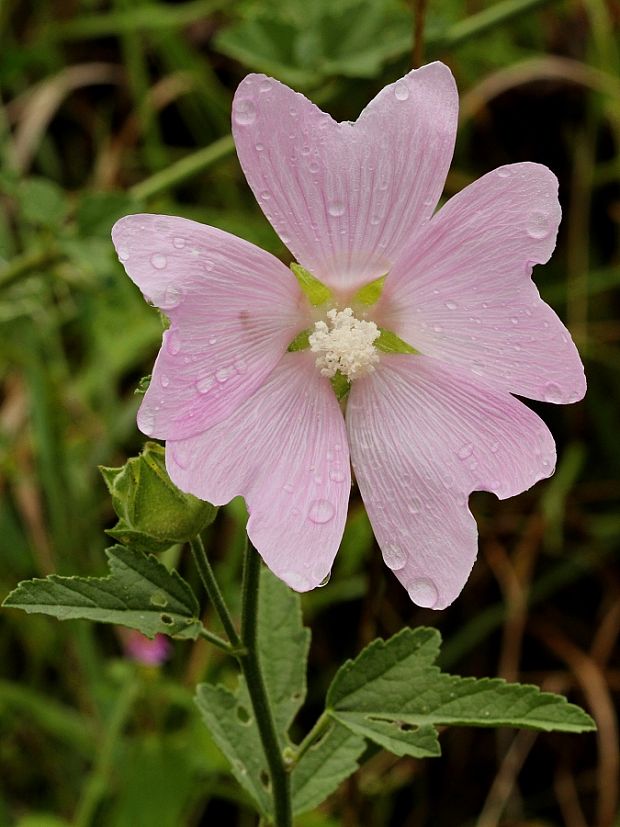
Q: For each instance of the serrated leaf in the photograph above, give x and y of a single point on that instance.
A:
(233, 727)
(394, 735)
(397, 681)
(139, 593)
(323, 767)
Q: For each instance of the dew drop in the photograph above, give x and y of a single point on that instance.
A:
(494, 447)
(321, 511)
(514, 320)
(158, 598)
(503, 172)
(165, 381)
(222, 375)
(335, 209)
(159, 261)
(552, 392)
(265, 85)
(423, 592)
(178, 243)
(245, 112)
(288, 487)
(401, 90)
(209, 265)
(265, 195)
(437, 328)
(146, 421)
(173, 342)
(172, 297)
(336, 475)
(538, 224)
(394, 557)
(213, 340)
(123, 253)
(451, 305)
(325, 580)
(414, 506)
(314, 167)
(465, 452)
(259, 147)
(205, 384)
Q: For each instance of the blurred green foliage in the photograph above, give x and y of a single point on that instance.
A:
(109, 107)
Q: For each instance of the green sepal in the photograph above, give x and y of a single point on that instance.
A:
(153, 513)
(370, 293)
(315, 291)
(389, 342)
(300, 342)
(341, 385)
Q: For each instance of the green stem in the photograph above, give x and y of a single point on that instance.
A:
(212, 588)
(185, 168)
(250, 664)
(218, 641)
(315, 733)
(99, 781)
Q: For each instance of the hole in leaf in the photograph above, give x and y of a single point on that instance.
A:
(243, 715)
(404, 727)
(167, 619)
(264, 779)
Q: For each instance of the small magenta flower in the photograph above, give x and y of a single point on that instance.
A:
(143, 650)
(429, 318)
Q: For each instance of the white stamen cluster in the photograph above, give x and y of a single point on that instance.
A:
(345, 344)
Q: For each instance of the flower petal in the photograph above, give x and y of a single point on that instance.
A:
(423, 436)
(285, 451)
(463, 291)
(345, 197)
(233, 309)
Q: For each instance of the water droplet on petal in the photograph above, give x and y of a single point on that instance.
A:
(173, 342)
(208, 265)
(423, 592)
(288, 487)
(205, 384)
(173, 297)
(245, 112)
(222, 375)
(437, 328)
(159, 261)
(394, 557)
(178, 242)
(241, 366)
(321, 511)
(401, 90)
(165, 381)
(123, 253)
(552, 392)
(337, 475)
(265, 85)
(265, 195)
(259, 147)
(213, 340)
(414, 506)
(146, 421)
(465, 452)
(538, 224)
(503, 172)
(494, 447)
(314, 167)
(325, 580)
(336, 208)
(451, 305)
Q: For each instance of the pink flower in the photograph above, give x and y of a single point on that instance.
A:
(143, 650)
(353, 202)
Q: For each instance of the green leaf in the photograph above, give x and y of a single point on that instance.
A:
(370, 293)
(389, 342)
(232, 724)
(324, 766)
(300, 342)
(341, 385)
(96, 212)
(283, 644)
(42, 202)
(139, 592)
(315, 291)
(393, 692)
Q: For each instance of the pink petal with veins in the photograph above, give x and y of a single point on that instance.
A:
(233, 311)
(423, 435)
(285, 451)
(346, 197)
(463, 293)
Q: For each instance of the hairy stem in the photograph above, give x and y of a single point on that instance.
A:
(213, 591)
